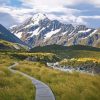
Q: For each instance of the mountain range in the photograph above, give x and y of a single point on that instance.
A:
(39, 30)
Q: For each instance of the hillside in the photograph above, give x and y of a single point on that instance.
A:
(69, 52)
(8, 36)
(55, 47)
(9, 46)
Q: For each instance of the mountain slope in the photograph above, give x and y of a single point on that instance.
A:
(40, 30)
(6, 46)
(8, 36)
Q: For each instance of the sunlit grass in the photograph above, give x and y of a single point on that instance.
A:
(80, 62)
(14, 86)
(66, 86)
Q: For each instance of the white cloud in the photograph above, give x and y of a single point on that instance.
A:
(23, 13)
(51, 7)
(6, 19)
(46, 6)
(96, 3)
(58, 3)
(51, 3)
(19, 14)
(90, 17)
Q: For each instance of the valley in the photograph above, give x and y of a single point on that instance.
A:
(65, 85)
(43, 58)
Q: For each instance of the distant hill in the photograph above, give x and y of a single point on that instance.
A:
(8, 36)
(76, 51)
(55, 47)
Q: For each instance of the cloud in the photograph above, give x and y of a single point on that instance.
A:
(55, 9)
(6, 18)
(90, 17)
(96, 3)
(59, 3)
(56, 3)
(19, 14)
(22, 13)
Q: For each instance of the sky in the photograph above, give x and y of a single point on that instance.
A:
(87, 12)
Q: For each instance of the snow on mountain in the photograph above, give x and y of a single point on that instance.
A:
(35, 32)
(93, 32)
(38, 17)
(19, 35)
(40, 30)
(49, 34)
(88, 30)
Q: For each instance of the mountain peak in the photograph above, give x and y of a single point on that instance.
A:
(38, 17)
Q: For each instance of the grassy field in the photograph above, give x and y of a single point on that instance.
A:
(13, 86)
(66, 86)
(78, 54)
(42, 57)
(70, 52)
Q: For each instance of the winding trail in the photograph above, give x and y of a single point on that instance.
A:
(43, 92)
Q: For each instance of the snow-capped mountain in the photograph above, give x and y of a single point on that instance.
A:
(40, 30)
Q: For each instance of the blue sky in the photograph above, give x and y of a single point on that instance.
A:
(68, 11)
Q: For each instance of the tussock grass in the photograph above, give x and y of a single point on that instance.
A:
(66, 86)
(14, 86)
